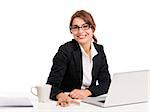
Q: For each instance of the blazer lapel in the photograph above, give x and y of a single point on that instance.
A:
(77, 56)
(95, 63)
(94, 67)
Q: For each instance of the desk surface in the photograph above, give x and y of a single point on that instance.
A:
(51, 107)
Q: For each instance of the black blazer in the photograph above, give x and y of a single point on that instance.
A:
(67, 73)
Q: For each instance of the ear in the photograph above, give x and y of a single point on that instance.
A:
(70, 32)
(93, 30)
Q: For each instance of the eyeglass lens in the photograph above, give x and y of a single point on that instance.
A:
(76, 27)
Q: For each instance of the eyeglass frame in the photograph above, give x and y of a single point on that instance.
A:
(80, 27)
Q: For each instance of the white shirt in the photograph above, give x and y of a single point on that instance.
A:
(87, 64)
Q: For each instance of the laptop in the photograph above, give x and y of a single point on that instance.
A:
(15, 102)
(125, 88)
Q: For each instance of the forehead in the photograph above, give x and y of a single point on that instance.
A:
(78, 21)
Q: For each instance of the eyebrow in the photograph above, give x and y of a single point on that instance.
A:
(78, 25)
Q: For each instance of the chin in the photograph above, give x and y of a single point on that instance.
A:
(81, 41)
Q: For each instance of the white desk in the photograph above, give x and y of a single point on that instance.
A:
(83, 107)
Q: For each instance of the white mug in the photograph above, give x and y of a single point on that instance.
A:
(42, 92)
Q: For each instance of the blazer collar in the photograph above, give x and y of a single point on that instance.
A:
(77, 56)
(93, 47)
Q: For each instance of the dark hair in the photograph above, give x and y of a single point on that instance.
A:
(87, 17)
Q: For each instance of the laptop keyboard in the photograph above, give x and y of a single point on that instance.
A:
(102, 101)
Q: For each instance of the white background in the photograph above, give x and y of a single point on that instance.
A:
(31, 32)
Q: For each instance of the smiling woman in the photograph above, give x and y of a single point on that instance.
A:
(84, 17)
(79, 64)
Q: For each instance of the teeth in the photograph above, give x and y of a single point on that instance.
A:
(81, 36)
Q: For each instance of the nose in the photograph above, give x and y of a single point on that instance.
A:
(80, 30)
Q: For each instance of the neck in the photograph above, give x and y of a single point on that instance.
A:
(86, 47)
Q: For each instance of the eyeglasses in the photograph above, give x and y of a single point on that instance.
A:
(76, 28)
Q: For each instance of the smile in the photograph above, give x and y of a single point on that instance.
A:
(81, 36)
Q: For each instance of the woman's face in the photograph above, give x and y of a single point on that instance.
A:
(81, 31)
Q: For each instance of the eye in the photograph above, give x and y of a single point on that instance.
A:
(74, 27)
(86, 26)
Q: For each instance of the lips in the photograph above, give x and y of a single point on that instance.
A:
(81, 36)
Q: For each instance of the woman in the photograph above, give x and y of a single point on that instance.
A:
(79, 64)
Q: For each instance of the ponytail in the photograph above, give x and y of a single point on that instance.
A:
(95, 39)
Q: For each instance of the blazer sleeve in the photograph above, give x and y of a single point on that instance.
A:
(103, 78)
(58, 69)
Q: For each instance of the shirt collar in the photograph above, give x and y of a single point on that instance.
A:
(93, 51)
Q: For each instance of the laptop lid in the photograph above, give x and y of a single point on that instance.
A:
(126, 88)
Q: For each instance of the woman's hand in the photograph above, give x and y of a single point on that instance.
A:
(80, 94)
(64, 100)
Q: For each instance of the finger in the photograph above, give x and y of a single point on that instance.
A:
(58, 103)
(73, 91)
(81, 97)
(64, 104)
(61, 104)
(75, 95)
(75, 101)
